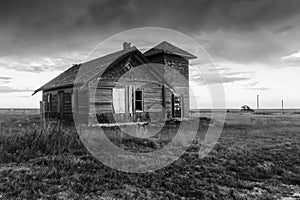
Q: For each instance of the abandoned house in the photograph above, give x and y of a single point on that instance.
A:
(113, 88)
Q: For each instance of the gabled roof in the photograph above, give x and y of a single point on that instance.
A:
(87, 70)
(165, 47)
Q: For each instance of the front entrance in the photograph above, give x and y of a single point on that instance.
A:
(176, 105)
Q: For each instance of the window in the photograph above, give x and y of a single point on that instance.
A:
(176, 105)
(139, 100)
(119, 100)
(128, 66)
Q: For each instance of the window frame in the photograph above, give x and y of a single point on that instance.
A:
(123, 110)
(141, 100)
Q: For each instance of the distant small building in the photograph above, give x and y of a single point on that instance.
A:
(109, 87)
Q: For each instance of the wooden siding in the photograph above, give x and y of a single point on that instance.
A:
(67, 107)
(152, 97)
(120, 75)
(176, 72)
(102, 100)
(67, 111)
(83, 101)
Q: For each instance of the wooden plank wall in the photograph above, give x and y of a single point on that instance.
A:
(67, 107)
(168, 94)
(103, 97)
(102, 100)
(54, 100)
(180, 80)
(83, 101)
(83, 107)
(152, 97)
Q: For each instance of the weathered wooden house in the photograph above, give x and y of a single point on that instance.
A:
(124, 86)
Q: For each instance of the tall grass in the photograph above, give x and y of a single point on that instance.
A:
(26, 139)
(23, 141)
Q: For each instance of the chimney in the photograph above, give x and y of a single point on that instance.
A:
(126, 45)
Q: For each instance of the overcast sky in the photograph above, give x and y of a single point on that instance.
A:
(254, 44)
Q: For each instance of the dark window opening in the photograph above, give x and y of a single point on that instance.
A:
(139, 100)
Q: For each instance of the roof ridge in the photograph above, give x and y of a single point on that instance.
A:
(166, 47)
(116, 52)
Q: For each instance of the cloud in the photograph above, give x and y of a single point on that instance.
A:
(5, 89)
(34, 31)
(24, 96)
(259, 88)
(254, 86)
(196, 14)
(292, 59)
(4, 79)
(230, 77)
(43, 27)
(38, 64)
(4, 82)
(53, 26)
(246, 73)
(219, 69)
(283, 29)
(256, 46)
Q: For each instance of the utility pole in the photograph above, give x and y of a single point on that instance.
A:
(282, 106)
(257, 102)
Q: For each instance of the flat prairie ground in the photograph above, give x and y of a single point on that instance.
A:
(256, 157)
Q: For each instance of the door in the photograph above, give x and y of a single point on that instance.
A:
(176, 105)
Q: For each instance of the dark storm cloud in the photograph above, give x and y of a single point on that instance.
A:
(44, 26)
(283, 28)
(235, 30)
(193, 14)
(49, 27)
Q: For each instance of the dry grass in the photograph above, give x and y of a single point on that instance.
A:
(255, 158)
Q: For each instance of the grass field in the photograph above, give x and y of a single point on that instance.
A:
(257, 157)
